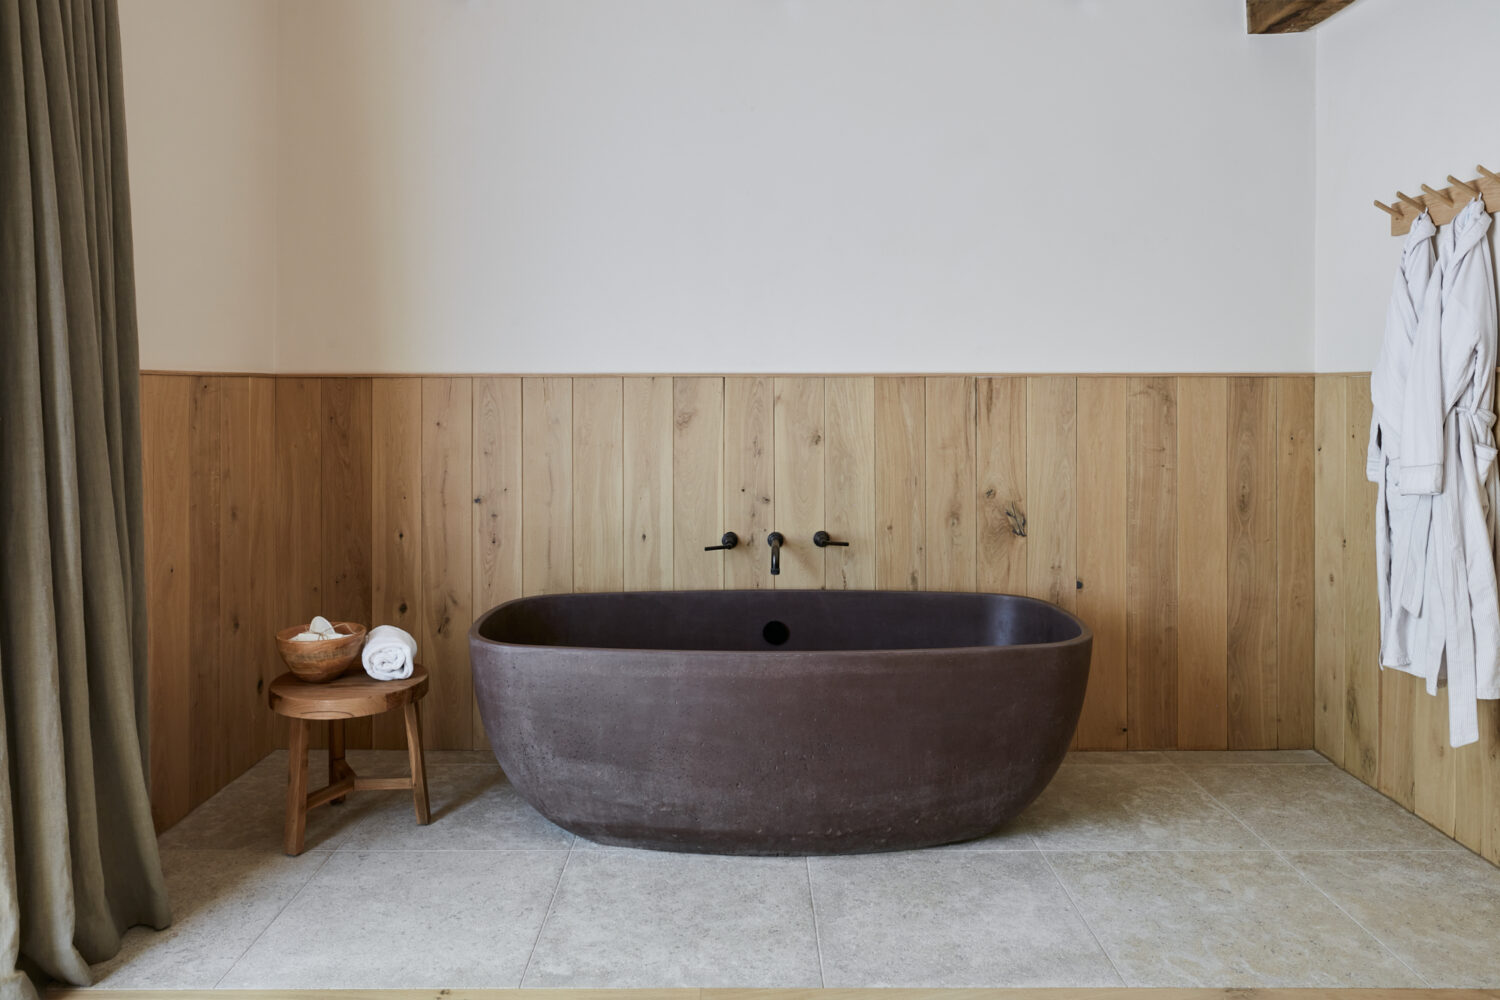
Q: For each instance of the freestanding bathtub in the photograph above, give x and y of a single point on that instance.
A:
(779, 721)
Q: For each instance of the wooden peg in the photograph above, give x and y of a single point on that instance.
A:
(1414, 203)
(1470, 191)
(1442, 196)
(1394, 213)
(1485, 172)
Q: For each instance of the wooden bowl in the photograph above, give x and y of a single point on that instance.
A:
(318, 661)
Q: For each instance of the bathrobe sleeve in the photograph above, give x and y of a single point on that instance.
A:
(1425, 406)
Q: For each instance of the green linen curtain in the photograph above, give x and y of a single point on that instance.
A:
(78, 859)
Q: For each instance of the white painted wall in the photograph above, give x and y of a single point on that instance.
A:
(201, 121)
(780, 185)
(1400, 102)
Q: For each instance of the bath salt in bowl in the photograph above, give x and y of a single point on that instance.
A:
(321, 660)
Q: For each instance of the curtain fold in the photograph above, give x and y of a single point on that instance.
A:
(78, 859)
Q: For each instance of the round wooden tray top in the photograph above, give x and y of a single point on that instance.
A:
(351, 696)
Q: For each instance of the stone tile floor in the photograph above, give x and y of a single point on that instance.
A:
(1139, 869)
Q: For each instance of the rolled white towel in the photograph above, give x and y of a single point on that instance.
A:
(388, 653)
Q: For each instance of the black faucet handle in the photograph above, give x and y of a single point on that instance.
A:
(823, 539)
(729, 541)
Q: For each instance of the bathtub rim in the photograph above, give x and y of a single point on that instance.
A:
(1085, 634)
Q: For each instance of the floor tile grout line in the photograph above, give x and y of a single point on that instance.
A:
(1373, 936)
(1225, 806)
(1084, 919)
(327, 856)
(1313, 885)
(812, 901)
(546, 914)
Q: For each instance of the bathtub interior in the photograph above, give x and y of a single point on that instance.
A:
(765, 621)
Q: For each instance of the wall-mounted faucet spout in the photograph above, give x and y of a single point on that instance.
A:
(774, 539)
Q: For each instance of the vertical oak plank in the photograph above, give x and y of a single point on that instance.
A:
(396, 593)
(598, 485)
(238, 674)
(1329, 426)
(266, 594)
(1253, 700)
(547, 485)
(299, 512)
(1485, 830)
(648, 483)
(1202, 563)
(700, 445)
(1000, 438)
(166, 401)
(1052, 489)
(749, 480)
(951, 561)
(1151, 555)
(1296, 547)
(497, 503)
(1362, 619)
(205, 481)
(346, 515)
(900, 483)
(1101, 600)
(850, 477)
(799, 474)
(1414, 750)
(447, 566)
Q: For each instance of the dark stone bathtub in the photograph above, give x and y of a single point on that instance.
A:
(779, 721)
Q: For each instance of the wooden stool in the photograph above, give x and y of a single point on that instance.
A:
(352, 696)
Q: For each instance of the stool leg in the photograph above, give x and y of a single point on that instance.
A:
(335, 755)
(296, 786)
(418, 765)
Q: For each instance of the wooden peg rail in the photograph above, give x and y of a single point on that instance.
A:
(1443, 204)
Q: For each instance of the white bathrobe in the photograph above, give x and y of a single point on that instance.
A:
(1448, 454)
(1399, 628)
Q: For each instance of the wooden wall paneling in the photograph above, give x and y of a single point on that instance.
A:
(1362, 617)
(205, 621)
(346, 532)
(447, 564)
(166, 401)
(951, 535)
(799, 465)
(1202, 563)
(1001, 528)
(265, 528)
(1330, 425)
(547, 485)
(299, 514)
(849, 474)
(440, 497)
(900, 483)
(497, 502)
(1151, 555)
(598, 485)
(1402, 728)
(1296, 547)
(1476, 782)
(1101, 558)
(1253, 701)
(1428, 769)
(701, 446)
(396, 522)
(1052, 489)
(749, 454)
(1485, 829)
(648, 483)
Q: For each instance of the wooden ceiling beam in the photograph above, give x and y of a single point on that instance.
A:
(1275, 17)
